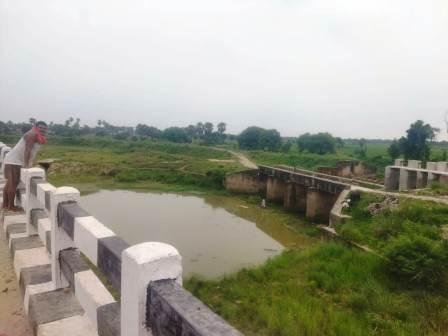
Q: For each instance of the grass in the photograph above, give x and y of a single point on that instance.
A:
(329, 289)
(435, 189)
(412, 218)
(141, 165)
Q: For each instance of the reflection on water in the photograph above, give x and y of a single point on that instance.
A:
(209, 235)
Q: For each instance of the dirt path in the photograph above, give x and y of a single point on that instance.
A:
(13, 321)
(244, 160)
(387, 193)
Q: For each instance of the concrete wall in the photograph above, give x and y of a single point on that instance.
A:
(295, 197)
(247, 182)
(431, 165)
(275, 189)
(392, 178)
(422, 180)
(319, 205)
(359, 169)
(442, 166)
(345, 168)
(328, 170)
(336, 216)
(399, 162)
(414, 164)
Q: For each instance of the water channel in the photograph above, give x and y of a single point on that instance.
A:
(215, 235)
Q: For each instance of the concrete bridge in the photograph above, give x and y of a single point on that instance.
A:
(58, 248)
(298, 190)
(403, 177)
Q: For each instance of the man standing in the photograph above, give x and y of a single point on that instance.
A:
(21, 156)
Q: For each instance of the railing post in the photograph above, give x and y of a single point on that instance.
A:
(3, 153)
(142, 264)
(30, 200)
(59, 239)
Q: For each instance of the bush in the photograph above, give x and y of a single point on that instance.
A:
(417, 261)
(320, 143)
(259, 138)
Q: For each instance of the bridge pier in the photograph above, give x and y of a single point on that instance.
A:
(295, 197)
(404, 180)
(422, 180)
(275, 189)
(319, 204)
(392, 178)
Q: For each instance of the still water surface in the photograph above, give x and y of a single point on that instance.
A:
(211, 238)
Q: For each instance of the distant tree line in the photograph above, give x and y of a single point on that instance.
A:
(202, 132)
(415, 145)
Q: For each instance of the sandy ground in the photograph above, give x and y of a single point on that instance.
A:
(13, 321)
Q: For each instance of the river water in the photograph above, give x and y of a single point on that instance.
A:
(215, 235)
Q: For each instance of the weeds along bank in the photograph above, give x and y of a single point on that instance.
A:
(411, 234)
(333, 289)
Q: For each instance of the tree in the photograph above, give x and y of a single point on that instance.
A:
(176, 134)
(221, 127)
(339, 142)
(320, 143)
(259, 138)
(286, 147)
(361, 151)
(68, 122)
(394, 149)
(416, 143)
(208, 128)
(144, 131)
(200, 130)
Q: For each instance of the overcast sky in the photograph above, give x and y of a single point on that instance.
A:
(353, 68)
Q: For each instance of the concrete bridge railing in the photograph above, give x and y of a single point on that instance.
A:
(147, 276)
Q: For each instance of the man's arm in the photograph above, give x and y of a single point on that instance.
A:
(29, 143)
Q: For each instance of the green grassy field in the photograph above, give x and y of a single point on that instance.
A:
(91, 165)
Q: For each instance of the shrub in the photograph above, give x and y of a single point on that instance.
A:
(417, 261)
(320, 143)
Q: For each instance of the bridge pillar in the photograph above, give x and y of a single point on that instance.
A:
(422, 179)
(295, 197)
(392, 178)
(275, 189)
(319, 205)
(404, 179)
(412, 179)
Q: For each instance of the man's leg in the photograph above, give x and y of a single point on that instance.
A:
(15, 180)
(6, 188)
